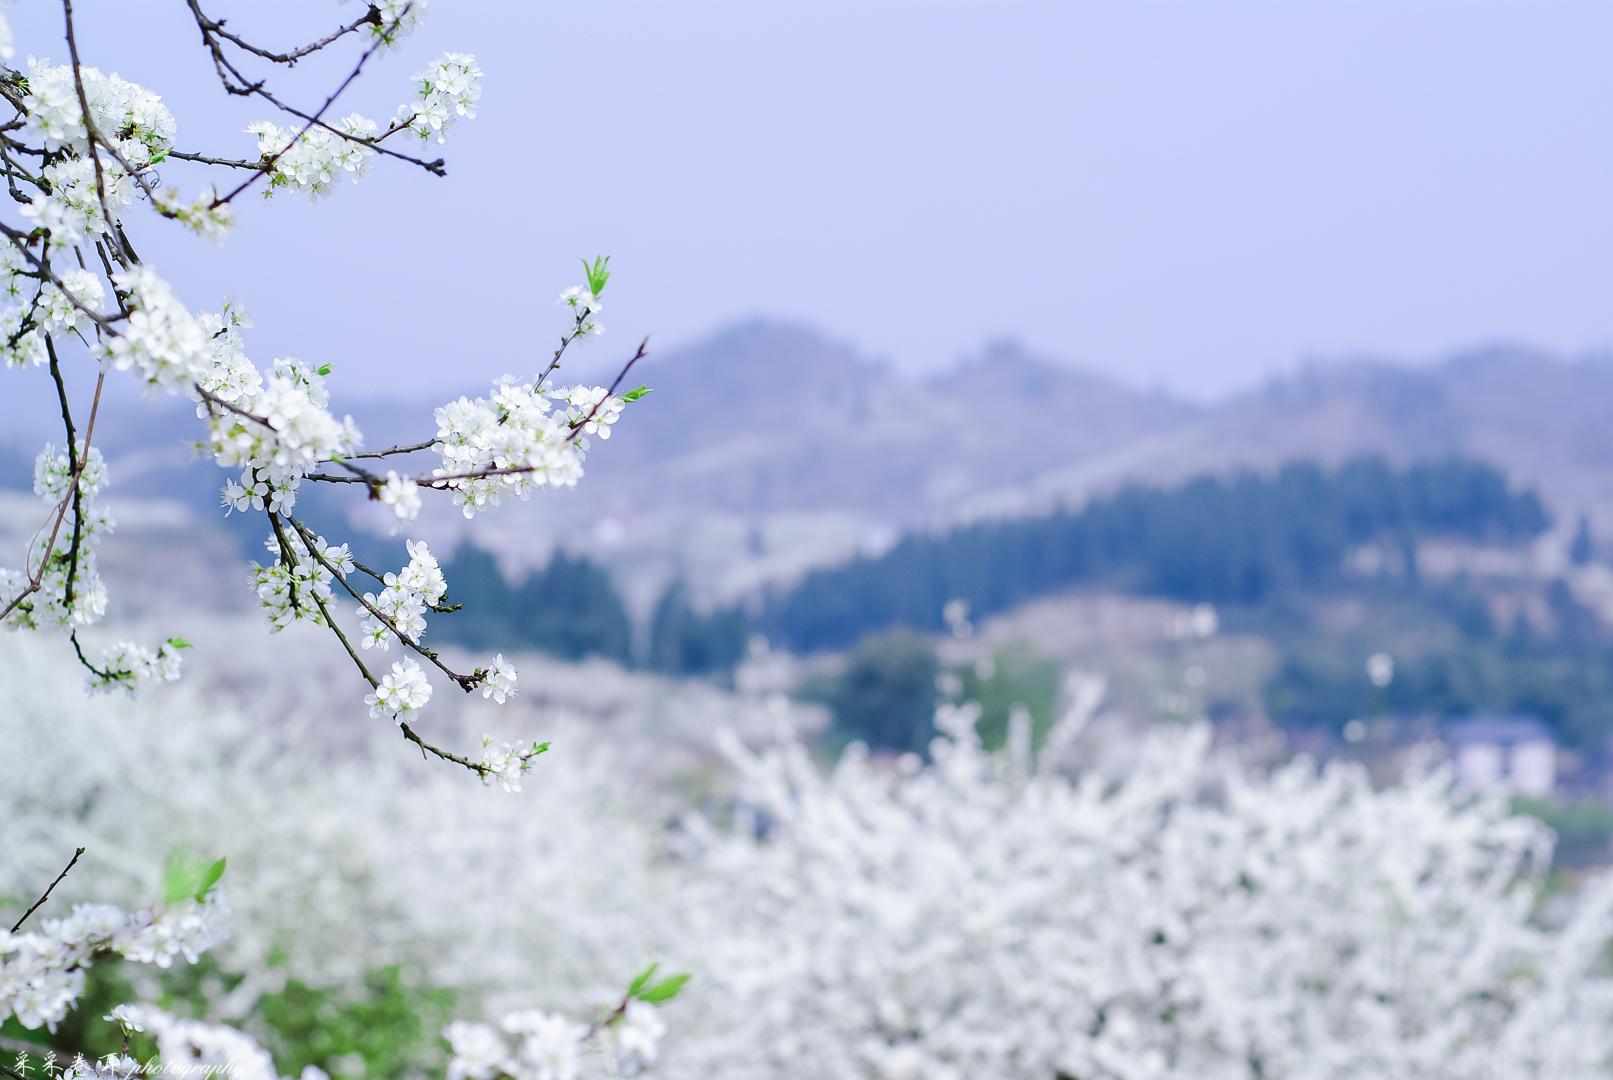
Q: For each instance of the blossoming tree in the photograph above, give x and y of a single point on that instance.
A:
(1180, 916)
(81, 158)
(81, 154)
(977, 915)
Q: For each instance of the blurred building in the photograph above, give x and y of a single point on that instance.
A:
(1513, 753)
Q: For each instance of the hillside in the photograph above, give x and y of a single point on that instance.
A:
(1542, 418)
(768, 448)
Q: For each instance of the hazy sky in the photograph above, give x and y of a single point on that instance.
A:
(1191, 193)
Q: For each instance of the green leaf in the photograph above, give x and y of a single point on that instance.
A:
(179, 643)
(641, 981)
(186, 877)
(179, 877)
(663, 991)
(597, 274)
(635, 393)
(324, 369)
(210, 878)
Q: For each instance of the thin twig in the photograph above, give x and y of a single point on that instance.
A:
(37, 904)
(310, 541)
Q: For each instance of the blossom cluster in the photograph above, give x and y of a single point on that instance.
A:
(72, 210)
(42, 972)
(401, 605)
(537, 1045)
(133, 668)
(32, 306)
(313, 159)
(397, 19)
(77, 195)
(515, 441)
(295, 585)
(274, 429)
(162, 343)
(94, 142)
(207, 1049)
(585, 308)
(132, 117)
(71, 592)
(449, 88)
(506, 764)
(401, 693)
(1184, 916)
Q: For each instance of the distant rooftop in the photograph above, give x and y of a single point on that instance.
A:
(1504, 729)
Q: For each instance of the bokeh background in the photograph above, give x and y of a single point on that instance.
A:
(1252, 356)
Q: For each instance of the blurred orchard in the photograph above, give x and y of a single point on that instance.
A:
(279, 865)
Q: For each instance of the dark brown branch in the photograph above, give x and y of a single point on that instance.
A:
(316, 119)
(393, 450)
(467, 683)
(210, 26)
(84, 108)
(643, 350)
(38, 577)
(363, 669)
(73, 468)
(204, 159)
(37, 904)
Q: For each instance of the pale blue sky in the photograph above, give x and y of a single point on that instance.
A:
(1192, 193)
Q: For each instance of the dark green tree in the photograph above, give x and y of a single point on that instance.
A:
(684, 641)
(570, 609)
(475, 581)
(1583, 547)
(886, 694)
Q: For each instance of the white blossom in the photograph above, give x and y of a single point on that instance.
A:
(499, 681)
(403, 601)
(295, 584)
(401, 693)
(134, 668)
(398, 18)
(206, 215)
(548, 1046)
(449, 88)
(401, 495)
(593, 409)
(515, 441)
(72, 211)
(478, 1052)
(584, 306)
(506, 764)
(193, 1047)
(312, 161)
(161, 342)
(42, 971)
(636, 1037)
(130, 115)
(71, 592)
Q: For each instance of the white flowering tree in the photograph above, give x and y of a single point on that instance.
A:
(979, 915)
(1182, 917)
(1168, 913)
(88, 157)
(81, 156)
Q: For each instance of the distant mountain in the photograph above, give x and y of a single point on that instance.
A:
(766, 418)
(1546, 421)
